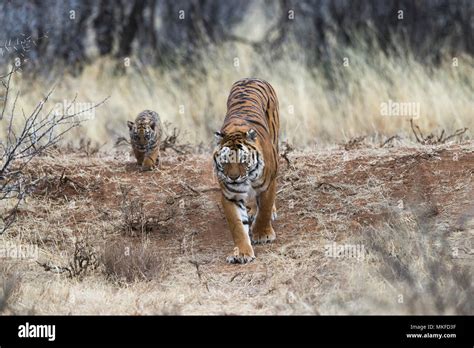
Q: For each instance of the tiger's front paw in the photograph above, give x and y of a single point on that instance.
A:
(243, 254)
(261, 237)
(147, 164)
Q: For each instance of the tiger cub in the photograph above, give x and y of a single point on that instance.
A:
(145, 136)
(246, 165)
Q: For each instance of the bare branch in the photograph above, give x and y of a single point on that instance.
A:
(432, 139)
(7, 88)
(171, 141)
(37, 134)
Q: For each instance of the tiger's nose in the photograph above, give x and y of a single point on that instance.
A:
(234, 176)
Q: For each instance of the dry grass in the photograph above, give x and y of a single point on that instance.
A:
(125, 264)
(10, 281)
(316, 106)
(409, 207)
(114, 240)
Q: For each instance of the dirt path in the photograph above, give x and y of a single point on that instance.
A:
(325, 197)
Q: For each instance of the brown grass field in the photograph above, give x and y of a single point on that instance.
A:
(371, 221)
(114, 240)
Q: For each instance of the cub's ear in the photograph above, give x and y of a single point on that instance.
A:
(153, 125)
(130, 124)
(251, 135)
(218, 136)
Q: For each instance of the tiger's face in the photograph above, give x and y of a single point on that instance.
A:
(236, 157)
(141, 132)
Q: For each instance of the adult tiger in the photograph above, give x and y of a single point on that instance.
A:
(246, 164)
(145, 136)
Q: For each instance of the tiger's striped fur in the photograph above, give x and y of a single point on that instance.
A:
(246, 164)
(145, 136)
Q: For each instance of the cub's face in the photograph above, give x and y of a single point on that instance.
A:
(142, 131)
(236, 158)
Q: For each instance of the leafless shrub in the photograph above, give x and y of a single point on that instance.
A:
(84, 260)
(136, 220)
(171, 140)
(124, 263)
(39, 132)
(433, 139)
(134, 217)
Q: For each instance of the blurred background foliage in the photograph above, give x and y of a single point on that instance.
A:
(180, 57)
(176, 31)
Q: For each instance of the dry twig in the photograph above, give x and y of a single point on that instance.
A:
(433, 139)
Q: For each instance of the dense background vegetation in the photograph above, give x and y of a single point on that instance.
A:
(173, 31)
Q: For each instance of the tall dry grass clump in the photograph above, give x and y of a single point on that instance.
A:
(10, 284)
(329, 103)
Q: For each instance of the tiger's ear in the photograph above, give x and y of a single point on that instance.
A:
(130, 124)
(251, 135)
(218, 136)
(153, 125)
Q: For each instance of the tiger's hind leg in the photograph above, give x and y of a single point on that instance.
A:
(262, 230)
(252, 210)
